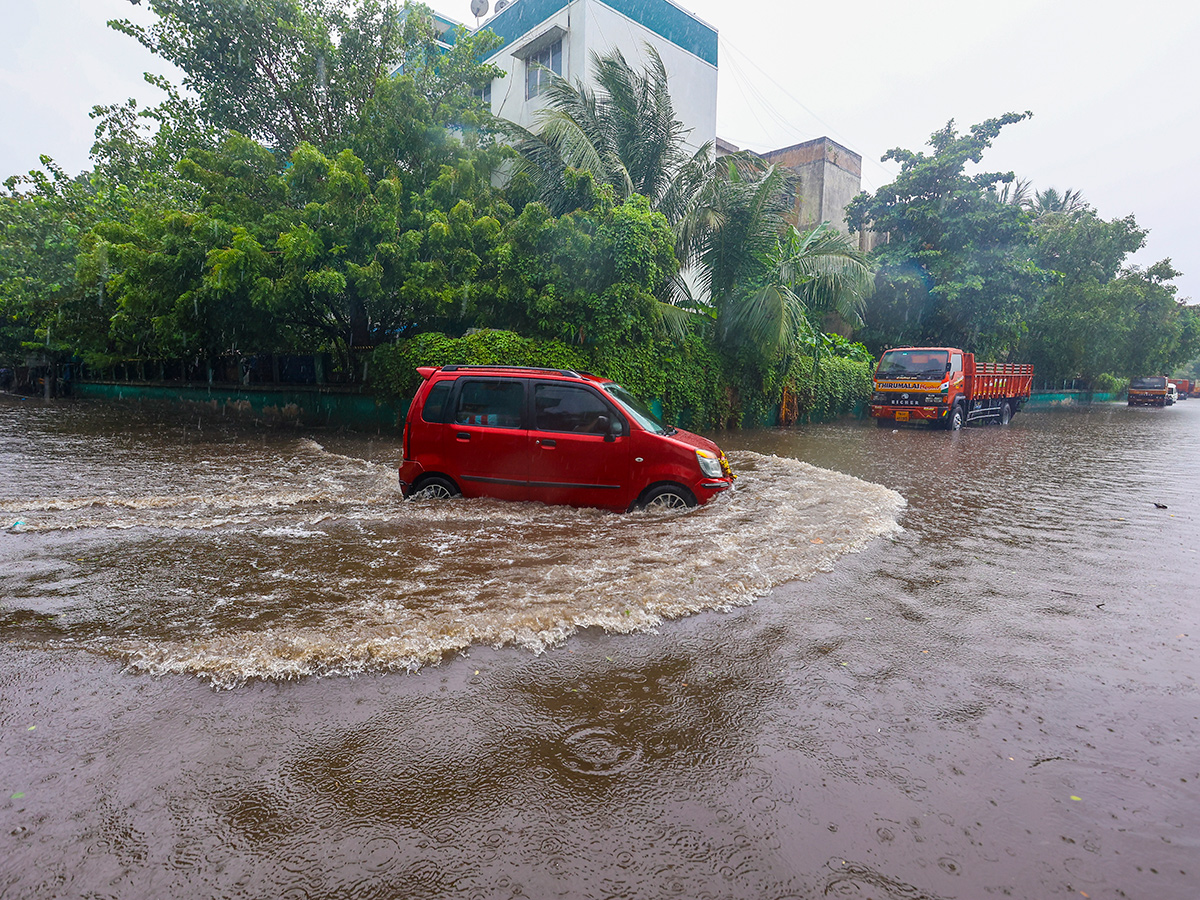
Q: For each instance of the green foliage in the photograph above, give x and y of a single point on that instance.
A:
(447, 70)
(839, 346)
(1007, 274)
(957, 269)
(393, 367)
(688, 378)
(840, 386)
(1107, 383)
(287, 72)
(587, 277)
(1075, 330)
(624, 133)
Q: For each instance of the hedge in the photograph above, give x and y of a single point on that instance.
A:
(698, 386)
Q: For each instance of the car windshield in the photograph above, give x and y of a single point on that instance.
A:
(640, 411)
(913, 364)
(1151, 383)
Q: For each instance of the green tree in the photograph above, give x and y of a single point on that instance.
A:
(290, 71)
(1050, 201)
(39, 232)
(1160, 332)
(625, 134)
(294, 252)
(956, 268)
(587, 277)
(1078, 328)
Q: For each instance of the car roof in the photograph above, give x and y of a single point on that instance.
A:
(511, 371)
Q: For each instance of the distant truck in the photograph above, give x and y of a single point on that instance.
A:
(1148, 390)
(1184, 387)
(945, 387)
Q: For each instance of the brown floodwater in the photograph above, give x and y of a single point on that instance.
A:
(910, 664)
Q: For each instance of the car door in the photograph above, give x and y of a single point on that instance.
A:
(575, 456)
(486, 442)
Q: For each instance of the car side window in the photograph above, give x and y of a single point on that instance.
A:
(497, 403)
(435, 402)
(955, 362)
(565, 407)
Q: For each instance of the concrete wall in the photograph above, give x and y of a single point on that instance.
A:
(829, 177)
(297, 406)
(1048, 399)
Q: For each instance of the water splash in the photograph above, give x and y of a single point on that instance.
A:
(330, 572)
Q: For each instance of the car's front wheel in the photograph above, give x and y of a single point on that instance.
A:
(667, 496)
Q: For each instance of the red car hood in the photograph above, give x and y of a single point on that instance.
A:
(694, 440)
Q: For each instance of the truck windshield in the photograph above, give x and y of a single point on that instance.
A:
(1151, 383)
(639, 410)
(913, 364)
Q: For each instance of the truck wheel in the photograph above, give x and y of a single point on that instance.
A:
(885, 423)
(1005, 413)
(435, 487)
(957, 418)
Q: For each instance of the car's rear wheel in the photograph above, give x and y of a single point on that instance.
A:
(435, 487)
(667, 496)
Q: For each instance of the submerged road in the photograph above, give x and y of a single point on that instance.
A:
(892, 665)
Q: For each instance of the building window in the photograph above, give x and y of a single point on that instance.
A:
(538, 67)
(485, 94)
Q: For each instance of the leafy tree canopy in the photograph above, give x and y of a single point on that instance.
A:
(290, 71)
(956, 268)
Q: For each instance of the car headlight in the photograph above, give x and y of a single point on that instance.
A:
(710, 464)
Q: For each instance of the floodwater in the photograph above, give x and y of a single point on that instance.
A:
(233, 663)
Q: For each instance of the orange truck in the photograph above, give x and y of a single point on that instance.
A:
(1184, 387)
(1148, 390)
(945, 387)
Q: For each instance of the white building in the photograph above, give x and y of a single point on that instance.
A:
(563, 34)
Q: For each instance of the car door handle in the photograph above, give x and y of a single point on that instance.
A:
(463, 435)
(548, 443)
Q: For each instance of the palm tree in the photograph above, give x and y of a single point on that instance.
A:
(1051, 201)
(755, 275)
(626, 134)
(1016, 193)
(806, 275)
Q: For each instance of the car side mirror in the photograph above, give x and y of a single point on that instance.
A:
(614, 428)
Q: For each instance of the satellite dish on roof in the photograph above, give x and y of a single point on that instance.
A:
(479, 8)
(502, 4)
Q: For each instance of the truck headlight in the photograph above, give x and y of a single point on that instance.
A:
(710, 464)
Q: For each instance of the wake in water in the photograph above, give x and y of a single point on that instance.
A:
(328, 571)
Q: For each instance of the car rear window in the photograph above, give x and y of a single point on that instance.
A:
(435, 402)
(496, 403)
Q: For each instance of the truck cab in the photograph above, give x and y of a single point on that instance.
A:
(1148, 390)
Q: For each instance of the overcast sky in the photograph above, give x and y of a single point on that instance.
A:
(1114, 88)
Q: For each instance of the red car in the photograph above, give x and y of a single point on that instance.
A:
(550, 435)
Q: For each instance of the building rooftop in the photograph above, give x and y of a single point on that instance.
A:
(664, 18)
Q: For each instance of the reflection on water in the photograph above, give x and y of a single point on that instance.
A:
(998, 700)
(298, 560)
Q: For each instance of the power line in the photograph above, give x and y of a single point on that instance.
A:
(830, 128)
